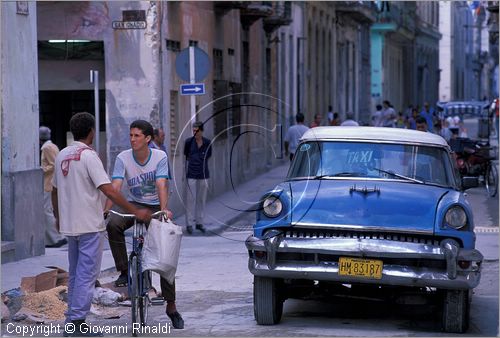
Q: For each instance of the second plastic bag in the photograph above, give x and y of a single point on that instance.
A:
(162, 244)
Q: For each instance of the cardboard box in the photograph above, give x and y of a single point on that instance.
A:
(45, 281)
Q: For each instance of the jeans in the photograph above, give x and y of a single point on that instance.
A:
(84, 255)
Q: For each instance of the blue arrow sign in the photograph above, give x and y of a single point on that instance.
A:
(193, 89)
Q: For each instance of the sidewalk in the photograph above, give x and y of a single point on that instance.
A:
(220, 211)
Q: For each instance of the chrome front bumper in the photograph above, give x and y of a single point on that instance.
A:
(452, 277)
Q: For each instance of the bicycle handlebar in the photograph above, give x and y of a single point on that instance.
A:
(156, 214)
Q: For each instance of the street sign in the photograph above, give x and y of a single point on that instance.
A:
(201, 64)
(193, 89)
(128, 24)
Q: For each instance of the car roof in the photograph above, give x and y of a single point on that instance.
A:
(397, 135)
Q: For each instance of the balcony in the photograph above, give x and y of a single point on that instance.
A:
(282, 16)
(222, 7)
(399, 18)
(492, 6)
(362, 11)
(255, 11)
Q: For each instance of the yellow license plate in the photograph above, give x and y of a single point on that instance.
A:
(359, 267)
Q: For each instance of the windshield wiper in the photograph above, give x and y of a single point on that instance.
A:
(397, 175)
(348, 174)
(343, 174)
(319, 177)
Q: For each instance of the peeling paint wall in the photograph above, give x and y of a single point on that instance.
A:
(22, 202)
(20, 150)
(141, 80)
(132, 59)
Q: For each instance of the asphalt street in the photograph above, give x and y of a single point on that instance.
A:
(215, 297)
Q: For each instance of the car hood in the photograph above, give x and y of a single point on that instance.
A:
(384, 205)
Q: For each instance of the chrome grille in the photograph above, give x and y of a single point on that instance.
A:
(319, 233)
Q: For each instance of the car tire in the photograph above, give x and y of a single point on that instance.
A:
(456, 305)
(267, 302)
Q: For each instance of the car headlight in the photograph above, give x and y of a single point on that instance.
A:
(455, 217)
(272, 206)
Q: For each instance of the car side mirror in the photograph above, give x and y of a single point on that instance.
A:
(470, 182)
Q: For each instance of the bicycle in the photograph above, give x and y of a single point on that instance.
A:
(139, 281)
(476, 160)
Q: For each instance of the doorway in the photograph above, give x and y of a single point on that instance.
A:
(58, 106)
(64, 86)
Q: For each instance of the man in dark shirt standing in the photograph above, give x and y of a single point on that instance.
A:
(197, 150)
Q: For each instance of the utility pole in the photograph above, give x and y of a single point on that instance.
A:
(94, 78)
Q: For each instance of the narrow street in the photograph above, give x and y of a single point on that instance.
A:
(215, 293)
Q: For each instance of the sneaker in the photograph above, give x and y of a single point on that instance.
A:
(177, 321)
(189, 229)
(200, 227)
(121, 281)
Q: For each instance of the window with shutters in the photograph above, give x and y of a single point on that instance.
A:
(174, 122)
(218, 63)
(227, 110)
(173, 45)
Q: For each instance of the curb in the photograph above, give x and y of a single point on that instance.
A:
(487, 229)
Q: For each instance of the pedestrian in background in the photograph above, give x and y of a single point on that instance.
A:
(428, 114)
(388, 114)
(329, 115)
(442, 131)
(293, 135)
(421, 124)
(408, 112)
(336, 120)
(49, 151)
(376, 118)
(317, 121)
(79, 178)
(197, 150)
(158, 141)
(349, 122)
(146, 172)
(401, 121)
(412, 121)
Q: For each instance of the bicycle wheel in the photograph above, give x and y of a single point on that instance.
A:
(491, 179)
(144, 300)
(133, 291)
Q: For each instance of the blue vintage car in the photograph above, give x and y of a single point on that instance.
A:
(366, 207)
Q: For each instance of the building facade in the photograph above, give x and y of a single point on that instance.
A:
(427, 39)
(353, 21)
(338, 58)
(492, 23)
(320, 58)
(22, 190)
(456, 52)
(267, 62)
(393, 54)
(133, 45)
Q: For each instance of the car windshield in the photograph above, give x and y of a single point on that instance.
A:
(335, 159)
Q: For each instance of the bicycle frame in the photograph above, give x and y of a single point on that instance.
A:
(139, 281)
(139, 230)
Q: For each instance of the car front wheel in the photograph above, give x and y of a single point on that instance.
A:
(267, 303)
(456, 306)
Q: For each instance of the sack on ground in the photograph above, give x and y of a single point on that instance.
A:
(162, 244)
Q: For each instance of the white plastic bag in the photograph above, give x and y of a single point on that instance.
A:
(162, 244)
